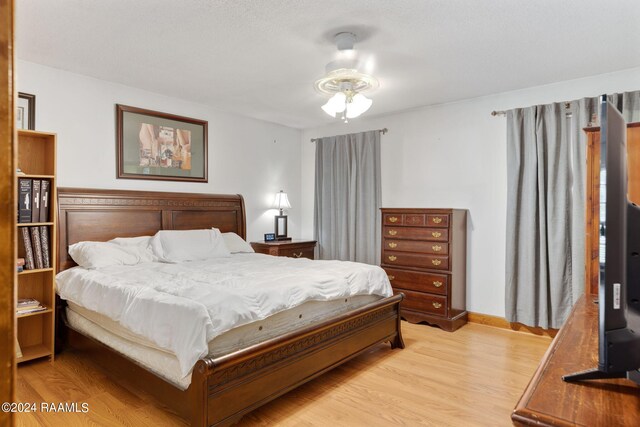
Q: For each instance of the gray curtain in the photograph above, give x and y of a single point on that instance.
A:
(546, 182)
(348, 197)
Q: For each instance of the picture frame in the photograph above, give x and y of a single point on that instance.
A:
(26, 111)
(269, 237)
(160, 146)
(281, 227)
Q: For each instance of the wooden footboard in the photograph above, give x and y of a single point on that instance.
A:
(223, 389)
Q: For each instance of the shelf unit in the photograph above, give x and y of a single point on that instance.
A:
(37, 159)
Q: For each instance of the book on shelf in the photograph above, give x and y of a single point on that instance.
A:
(28, 250)
(27, 303)
(44, 243)
(35, 200)
(18, 349)
(36, 244)
(24, 200)
(44, 200)
(37, 309)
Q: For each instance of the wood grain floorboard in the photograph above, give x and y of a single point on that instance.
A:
(472, 377)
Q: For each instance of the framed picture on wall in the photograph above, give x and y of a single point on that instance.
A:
(160, 146)
(26, 111)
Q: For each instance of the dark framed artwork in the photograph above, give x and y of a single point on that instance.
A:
(160, 146)
(26, 111)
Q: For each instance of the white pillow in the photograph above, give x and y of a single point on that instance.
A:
(188, 245)
(102, 254)
(141, 246)
(236, 243)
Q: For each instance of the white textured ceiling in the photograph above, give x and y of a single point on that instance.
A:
(260, 58)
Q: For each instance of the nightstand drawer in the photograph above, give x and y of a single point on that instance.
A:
(288, 248)
(306, 252)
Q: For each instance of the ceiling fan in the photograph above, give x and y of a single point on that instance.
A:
(345, 81)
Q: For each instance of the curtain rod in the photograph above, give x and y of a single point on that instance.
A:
(494, 113)
(382, 131)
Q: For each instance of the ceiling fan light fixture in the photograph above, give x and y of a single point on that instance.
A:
(345, 83)
(336, 104)
(358, 105)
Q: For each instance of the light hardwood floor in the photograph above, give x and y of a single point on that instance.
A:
(472, 377)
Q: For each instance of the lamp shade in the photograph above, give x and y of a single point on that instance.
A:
(281, 201)
(358, 105)
(336, 104)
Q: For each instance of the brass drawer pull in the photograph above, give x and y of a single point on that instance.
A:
(392, 232)
(437, 220)
(436, 248)
(437, 283)
(436, 234)
(391, 277)
(392, 258)
(436, 304)
(436, 262)
(297, 255)
(393, 219)
(393, 245)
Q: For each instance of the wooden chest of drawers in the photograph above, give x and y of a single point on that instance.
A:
(424, 252)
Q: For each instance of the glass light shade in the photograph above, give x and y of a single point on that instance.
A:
(358, 105)
(281, 201)
(336, 104)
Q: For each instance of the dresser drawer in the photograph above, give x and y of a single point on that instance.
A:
(416, 281)
(393, 219)
(415, 220)
(436, 248)
(429, 303)
(416, 233)
(297, 252)
(436, 262)
(438, 220)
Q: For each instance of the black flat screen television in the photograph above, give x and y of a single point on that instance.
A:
(619, 289)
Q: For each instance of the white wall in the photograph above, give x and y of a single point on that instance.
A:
(450, 156)
(454, 156)
(246, 156)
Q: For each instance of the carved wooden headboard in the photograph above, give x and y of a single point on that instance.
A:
(101, 215)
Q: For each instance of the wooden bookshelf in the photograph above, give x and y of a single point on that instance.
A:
(37, 159)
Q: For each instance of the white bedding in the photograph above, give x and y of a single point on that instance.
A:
(181, 307)
(165, 364)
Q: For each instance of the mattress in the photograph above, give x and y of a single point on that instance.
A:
(165, 364)
(182, 307)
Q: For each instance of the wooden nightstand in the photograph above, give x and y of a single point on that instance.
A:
(290, 248)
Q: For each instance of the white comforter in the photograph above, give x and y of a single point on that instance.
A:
(181, 307)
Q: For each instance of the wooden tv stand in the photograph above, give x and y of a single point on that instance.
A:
(549, 401)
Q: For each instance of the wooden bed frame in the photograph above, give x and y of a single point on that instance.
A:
(225, 388)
